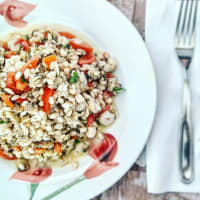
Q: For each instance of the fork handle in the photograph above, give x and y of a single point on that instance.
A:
(186, 157)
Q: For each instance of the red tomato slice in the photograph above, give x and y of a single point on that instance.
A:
(45, 98)
(10, 83)
(67, 35)
(24, 44)
(33, 175)
(5, 156)
(88, 59)
(86, 47)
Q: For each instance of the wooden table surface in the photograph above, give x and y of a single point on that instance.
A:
(133, 185)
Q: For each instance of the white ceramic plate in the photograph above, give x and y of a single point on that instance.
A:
(113, 32)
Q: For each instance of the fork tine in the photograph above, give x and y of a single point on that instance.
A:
(188, 30)
(194, 20)
(185, 17)
(179, 19)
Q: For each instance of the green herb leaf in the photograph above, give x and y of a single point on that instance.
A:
(68, 46)
(118, 89)
(3, 122)
(74, 77)
(83, 120)
(77, 141)
(24, 80)
(26, 37)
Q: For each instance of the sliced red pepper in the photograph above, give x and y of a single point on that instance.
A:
(46, 34)
(24, 44)
(6, 99)
(10, 83)
(20, 100)
(107, 94)
(106, 108)
(38, 151)
(109, 75)
(86, 47)
(45, 98)
(5, 156)
(58, 148)
(9, 54)
(67, 35)
(90, 85)
(5, 46)
(91, 118)
(17, 148)
(88, 59)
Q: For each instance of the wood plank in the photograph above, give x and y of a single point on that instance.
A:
(126, 6)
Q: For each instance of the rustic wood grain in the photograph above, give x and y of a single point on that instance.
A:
(133, 185)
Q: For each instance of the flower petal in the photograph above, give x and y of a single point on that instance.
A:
(98, 168)
(14, 11)
(105, 150)
(33, 175)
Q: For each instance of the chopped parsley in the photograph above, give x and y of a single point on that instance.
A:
(118, 89)
(77, 141)
(26, 37)
(83, 120)
(74, 78)
(24, 80)
(68, 46)
(43, 40)
(3, 122)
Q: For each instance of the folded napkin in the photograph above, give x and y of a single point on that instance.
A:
(162, 149)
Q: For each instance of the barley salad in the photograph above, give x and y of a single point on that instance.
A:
(57, 96)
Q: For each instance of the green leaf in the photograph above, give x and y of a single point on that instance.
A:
(24, 80)
(68, 46)
(65, 187)
(118, 89)
(33, 188)
(74, 77)
(77, 141)
(3, 122)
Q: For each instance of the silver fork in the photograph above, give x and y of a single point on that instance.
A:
(184, 46)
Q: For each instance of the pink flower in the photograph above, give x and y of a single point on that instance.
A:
(14, 11)
(103, 155)
(33, 175)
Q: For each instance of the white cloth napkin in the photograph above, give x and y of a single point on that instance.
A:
(162, 149)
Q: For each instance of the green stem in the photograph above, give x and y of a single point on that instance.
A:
(33, 188)
(65, 187)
